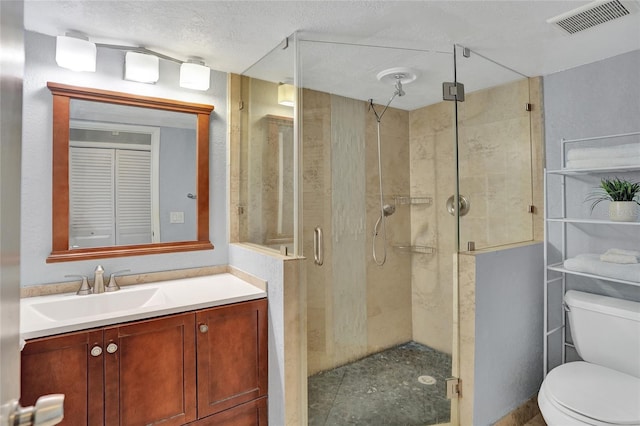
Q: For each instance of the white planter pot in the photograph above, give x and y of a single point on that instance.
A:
(623, 211)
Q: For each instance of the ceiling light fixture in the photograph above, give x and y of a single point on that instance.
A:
(75, 52)
(195, 75)
(285, 94)
(141, 67)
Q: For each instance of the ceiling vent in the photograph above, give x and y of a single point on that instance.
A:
(590, 15)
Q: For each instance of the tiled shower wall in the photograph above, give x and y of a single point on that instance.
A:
(259, 159)
(495, 165)
(410, 297)
(433, 174)
(354, 306)
(495, 155)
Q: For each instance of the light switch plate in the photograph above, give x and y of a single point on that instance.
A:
(176, 217)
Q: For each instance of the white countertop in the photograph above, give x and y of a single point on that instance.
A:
(62, 313)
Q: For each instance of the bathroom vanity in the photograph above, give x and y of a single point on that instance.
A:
(202, 366)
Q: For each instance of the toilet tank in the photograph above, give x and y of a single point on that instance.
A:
(605, 330)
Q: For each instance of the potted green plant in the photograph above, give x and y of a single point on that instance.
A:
(623, 196)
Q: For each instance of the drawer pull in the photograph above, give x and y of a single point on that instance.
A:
(203, 328)
(96, 351)
(112, 348)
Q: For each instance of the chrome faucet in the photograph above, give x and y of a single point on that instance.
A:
(85, 288)
(98, 280)
(113, 285)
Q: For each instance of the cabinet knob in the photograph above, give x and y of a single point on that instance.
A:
(112, 348)
(203, 328)
(96, 351)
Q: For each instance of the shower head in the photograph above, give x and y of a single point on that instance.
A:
(388, 209)
(401, 74)
(398, 77)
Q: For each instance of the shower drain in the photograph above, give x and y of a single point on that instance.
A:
(427, 380)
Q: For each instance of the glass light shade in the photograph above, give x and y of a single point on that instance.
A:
(285, 94)
(75, 54)
(194, 76)
(141, 67)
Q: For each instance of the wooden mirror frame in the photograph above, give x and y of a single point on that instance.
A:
(62, 95)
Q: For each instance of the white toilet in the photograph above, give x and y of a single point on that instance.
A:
(604, 389)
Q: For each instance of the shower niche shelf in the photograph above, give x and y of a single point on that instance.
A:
(415, 249)
(407, 200)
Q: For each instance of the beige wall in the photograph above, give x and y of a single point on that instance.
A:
(388, 286)
(495, 165)
(411, 296)
(433, 174)
(316, 209)
(255, 117)
(497, 137)
(354, 306)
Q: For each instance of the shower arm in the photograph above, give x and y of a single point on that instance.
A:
(373, 108)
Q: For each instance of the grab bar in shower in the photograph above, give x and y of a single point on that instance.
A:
(318, 246)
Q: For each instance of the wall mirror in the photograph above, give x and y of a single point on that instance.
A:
(130, 174)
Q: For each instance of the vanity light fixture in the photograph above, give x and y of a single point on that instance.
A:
(141, 67)
(195, 75)
(285, 94)
(75, 52)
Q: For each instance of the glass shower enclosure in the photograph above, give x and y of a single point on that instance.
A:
(361, 176)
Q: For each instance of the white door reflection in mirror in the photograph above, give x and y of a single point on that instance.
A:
(112, 196)
(130, 170)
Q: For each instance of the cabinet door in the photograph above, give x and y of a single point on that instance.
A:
(64, 364)
(150, 374)
(252, 413)
(232, 355)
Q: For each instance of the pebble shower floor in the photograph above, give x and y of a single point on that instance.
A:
(383, 389)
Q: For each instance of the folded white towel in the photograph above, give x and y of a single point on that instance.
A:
(623, 251)
(595, 163)
(618, 258)
(626, 150)
(591, 264)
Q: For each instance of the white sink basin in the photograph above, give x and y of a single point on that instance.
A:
(61, 313)
(73, 306)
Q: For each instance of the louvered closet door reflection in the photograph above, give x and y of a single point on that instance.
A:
(133, 197)
(91, 188)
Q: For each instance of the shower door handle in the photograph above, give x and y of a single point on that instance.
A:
(318, 246)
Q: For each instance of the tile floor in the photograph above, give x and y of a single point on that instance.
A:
(383, 390)
(536, 421)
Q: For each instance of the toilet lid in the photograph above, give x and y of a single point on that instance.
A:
(595, 392)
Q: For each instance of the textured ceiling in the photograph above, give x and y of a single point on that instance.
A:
(232, 36)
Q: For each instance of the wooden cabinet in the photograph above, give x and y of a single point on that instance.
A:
(231, 339)
(144, 373)
(134, 374)
(150, 377)
(63, 364)
(252, 413)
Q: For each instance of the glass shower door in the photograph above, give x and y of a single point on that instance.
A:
(379, 337)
